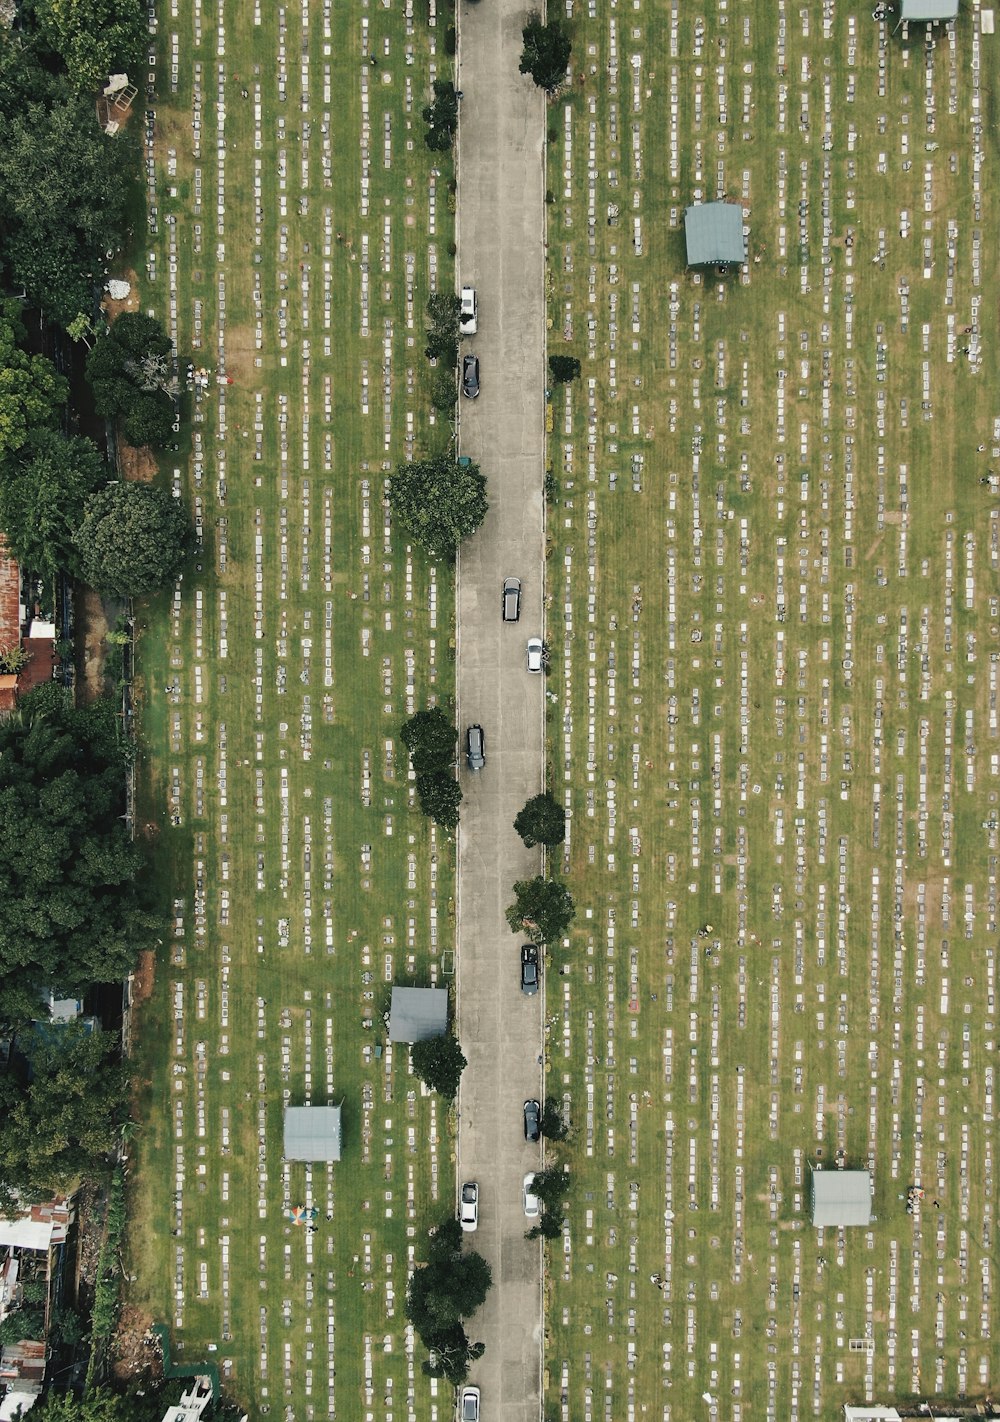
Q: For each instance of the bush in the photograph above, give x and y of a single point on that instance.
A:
(564, 368)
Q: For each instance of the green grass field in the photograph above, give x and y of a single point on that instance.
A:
(773, 612)
(302, 880)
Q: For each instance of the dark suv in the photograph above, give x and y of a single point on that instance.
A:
(529, 969)
(475, 747)
(532, 1120)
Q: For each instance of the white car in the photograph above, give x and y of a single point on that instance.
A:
(530, 1200)
(534, 654)
(468, 1410)
(468, 1212)
(467, 321)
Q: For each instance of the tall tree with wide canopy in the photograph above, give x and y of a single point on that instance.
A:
(438, 501)
(94, 38)
(133, 539)
(31, 389)
(42, 498)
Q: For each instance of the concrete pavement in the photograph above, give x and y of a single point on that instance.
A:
(500, 252)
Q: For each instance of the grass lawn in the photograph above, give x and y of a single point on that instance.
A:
(300, 878)
(772, 607)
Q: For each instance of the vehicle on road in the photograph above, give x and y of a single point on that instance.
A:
(468, 1410)
(511, 599)
(529, 969)
(470, 377)
(530, 1200)
(534, 654)
(475, 747)
(532, 1120)
(468, 1212)
(468, 319)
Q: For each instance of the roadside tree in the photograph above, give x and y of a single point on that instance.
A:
(134, 538)
(546, 53)
(541, 821)
(438, 501)
(430, 739)
(543, 909)
(564, 368)
(440, 796)
(439, 1063)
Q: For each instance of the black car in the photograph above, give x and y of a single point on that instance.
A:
(532, 1116)
(529, 969)
(470, 376)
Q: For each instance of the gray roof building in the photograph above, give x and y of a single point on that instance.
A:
(312, 1133)
(714, 233)
(928, 11)
(841, 1197)
(418, 1013)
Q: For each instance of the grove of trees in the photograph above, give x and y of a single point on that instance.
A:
(129, 369)
(43, 493)
(450, 1287)
(430, 739)
(441, 116)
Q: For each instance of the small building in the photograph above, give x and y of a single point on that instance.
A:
(312, 1133)
(928, 12)
(714, 234)
(841, 1197)
(417, 1014)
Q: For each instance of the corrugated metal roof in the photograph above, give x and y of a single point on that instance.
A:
(418, 1013)
(312, 1133)
(714, 233)
(841, 1197)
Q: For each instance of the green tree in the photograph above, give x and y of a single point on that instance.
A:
(444, 391)
(546, 52)
(451, 1286)
(552, 1124)
(441, 116)
(430, 739)
(438, 501)
(71, 914)
(452, 1354)
(541, 821)
(439, 1063)
(549, 1226)
(564, 368)
(31, 390)
(551, 1186)
(440, 796)
(42, 498)
(542, 908)
(59, 1122)
(22, 1323)
(99, 1405)
(147, 419)
(134, 538)
(93, 38)
(130, 369)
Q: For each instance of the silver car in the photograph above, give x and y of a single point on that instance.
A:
(475, 747)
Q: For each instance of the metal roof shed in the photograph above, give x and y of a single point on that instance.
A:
(841, 1197)
(713, 232)
(418, 1013)
(312, 1133)
(928, 11)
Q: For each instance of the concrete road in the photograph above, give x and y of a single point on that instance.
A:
(500, 252)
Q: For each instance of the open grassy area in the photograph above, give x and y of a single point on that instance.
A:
(772, 604)
(301, 223)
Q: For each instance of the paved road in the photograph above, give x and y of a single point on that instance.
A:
(501, 216)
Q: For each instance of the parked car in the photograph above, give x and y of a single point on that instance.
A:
(534, 654)
(468, 1410)
(529, 969)
(470, 377)
(468, 1212)
(511, 599)
(531, 1206)
(475, 747)
(532, 1118)
(468, 322)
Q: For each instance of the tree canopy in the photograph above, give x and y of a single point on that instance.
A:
(439, 1063)
(452, 1285)
(60, 1106)
(42, 498)
(430, 738)
(541, 821)
(438, 501)
(440, 796)
(543, 909)
(564, 368)
(133, 539)
(130, 371)
(31, 390)
(71, 915)
(546, 52)
(441, 116)
(93, 38)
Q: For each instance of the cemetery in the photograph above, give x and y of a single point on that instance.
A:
(774, 633)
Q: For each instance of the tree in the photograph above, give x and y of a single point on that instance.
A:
(440, 796)
(42, 498)
(441, 116)
(552, 1124)
(549, 1226)
(541, 821)
(93, 38)
(451, 1285)
(21, 1323)
(130, 369)
(71, 914)
(452, 1354)
(550, 1186)
(147, 419)
(98, 1406)
(546, 53)
(564, 368)
(31, 390)
(439, 1063)
(542, 908)
(438, 501)
(444, 391)
(59, 1114)
(430, 739)
(133, 539)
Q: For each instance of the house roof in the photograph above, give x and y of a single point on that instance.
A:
(928, 10)
(714, 233)
(418, 1013)
(312, 1133)
(841, 1197)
